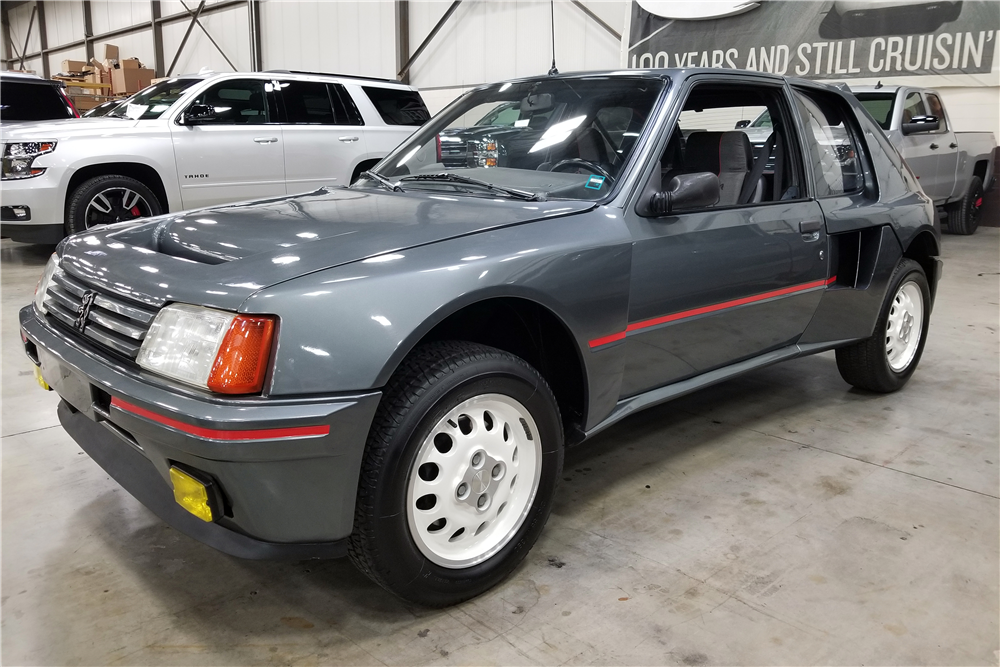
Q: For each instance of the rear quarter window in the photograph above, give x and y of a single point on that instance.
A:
(398, 107)
(32, 101)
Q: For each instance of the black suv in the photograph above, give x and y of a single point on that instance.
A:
(26, 97)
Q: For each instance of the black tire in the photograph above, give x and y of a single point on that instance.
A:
(865, 364)
(80, 217)
(963, 215)
(431, 381)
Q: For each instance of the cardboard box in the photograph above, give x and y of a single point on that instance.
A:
(73, 66)
(130, 80)
(130, 63)
(110, 52)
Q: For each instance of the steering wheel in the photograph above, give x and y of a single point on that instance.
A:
(593, 167)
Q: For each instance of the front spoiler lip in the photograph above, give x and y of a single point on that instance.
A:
(137, 475)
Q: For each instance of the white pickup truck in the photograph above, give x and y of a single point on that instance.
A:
(954, 168)
(199, 140)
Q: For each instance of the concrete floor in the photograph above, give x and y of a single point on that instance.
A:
(778, 519)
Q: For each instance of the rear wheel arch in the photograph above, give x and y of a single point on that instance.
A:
(363, 166)
(524, 328)
(143, 173)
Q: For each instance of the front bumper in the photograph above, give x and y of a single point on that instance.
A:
(288, 469)
(44, 198)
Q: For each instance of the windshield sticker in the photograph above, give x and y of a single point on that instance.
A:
(595, 182)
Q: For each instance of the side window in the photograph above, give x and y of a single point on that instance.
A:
(238, 102)
(755, 164)
(307, 103)
(913, 106)
(937, 110)
(831, 144)
(343, 105)
(398, 106)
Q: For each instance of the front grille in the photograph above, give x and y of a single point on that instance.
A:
(111, 322)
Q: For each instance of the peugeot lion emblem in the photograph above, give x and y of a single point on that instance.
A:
(83, 311)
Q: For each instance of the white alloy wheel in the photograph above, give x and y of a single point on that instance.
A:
(473, 481)
(904, 326)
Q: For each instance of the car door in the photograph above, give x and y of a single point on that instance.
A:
(717, 284)
(323, 138)
(235, 153)
(917, 147)
(946, 164)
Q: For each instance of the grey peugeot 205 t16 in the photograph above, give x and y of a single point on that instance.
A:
(391, 371)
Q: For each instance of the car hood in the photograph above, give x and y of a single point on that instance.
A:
(220, 256)
(62, 129)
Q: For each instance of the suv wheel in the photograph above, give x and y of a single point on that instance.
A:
(458, 475)
(108, 199)
(885, 361)
(963, 215)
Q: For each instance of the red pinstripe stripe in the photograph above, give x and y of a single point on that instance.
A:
(219, 434)
(684, 314)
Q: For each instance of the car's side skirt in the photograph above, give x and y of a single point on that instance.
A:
(669, 392)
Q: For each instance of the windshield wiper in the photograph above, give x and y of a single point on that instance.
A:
(456, 178)
(383, 181)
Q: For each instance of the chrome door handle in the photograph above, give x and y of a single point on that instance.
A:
(349, 140)
(266, 140)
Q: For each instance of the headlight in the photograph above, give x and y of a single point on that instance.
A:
(18, 159)
(43, 283)
(212, 349)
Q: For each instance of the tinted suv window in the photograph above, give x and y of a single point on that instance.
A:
(913, 106)
(398, 107)
(237, 102)
(307, 103)
(937, 110)
(879, 105)
(831, 145)
(32, 101)
(317, 103)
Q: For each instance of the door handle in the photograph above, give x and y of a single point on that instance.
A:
(349, 140)
(266, 140)
(934, 147)
(953, 145)
(810, 226)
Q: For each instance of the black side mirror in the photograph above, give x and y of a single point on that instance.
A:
(199, 113)
(685, 191)
(740, 124)
(922, 124)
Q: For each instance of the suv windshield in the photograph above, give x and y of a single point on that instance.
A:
(151, 102)
(566, 138)
(879, 105)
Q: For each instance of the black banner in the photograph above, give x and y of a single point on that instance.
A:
(824, 40)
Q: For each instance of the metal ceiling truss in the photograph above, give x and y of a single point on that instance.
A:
(15, 58)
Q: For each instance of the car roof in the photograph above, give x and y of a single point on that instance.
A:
(873, 89)
(25, 77)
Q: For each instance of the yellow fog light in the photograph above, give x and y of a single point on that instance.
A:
(191, 494)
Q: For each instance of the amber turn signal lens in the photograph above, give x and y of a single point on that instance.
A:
(241, 365)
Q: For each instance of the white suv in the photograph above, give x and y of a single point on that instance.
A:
(199, 140)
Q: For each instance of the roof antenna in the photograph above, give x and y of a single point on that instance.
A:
(552, 20)
(878, 85)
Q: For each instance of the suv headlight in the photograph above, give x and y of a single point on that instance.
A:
(43, 283)
(19, 157)
(212, 349)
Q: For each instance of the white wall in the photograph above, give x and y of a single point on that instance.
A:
(229, 28)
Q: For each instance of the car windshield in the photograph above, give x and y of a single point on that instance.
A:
(151, 102)
(563, 138)
(879, 105)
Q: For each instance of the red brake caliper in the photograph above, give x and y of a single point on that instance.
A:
(135, 210)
